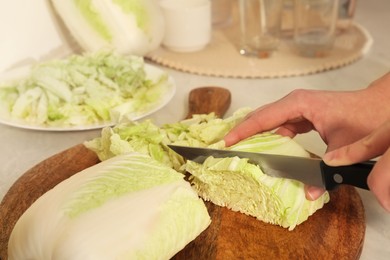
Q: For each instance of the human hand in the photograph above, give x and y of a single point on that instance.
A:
(373, 145)
(340, 118)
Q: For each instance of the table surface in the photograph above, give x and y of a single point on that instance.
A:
(21, 149)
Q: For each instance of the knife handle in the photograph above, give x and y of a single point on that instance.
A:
(355, 175)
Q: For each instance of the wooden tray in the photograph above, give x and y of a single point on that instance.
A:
(334, 232)
(221, 57)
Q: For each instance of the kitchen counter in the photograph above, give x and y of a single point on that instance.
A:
(21, 149)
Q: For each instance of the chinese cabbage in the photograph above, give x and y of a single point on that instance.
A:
(241, 186)
(127, 207)
(129, 27)
(98, 88)
(233, 183)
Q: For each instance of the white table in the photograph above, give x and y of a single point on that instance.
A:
(21, 149)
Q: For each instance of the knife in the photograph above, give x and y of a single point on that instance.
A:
(311, 171)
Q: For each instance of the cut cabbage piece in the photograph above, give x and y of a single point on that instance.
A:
(147, 138)
(127, 207)
(241, 186)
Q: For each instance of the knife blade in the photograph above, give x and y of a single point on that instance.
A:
(311, 171)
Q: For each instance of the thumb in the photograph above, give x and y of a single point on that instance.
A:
(369, 147)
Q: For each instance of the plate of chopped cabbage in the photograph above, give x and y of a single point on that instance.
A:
(83, 92)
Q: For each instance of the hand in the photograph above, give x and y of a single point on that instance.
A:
(373, 145)
(340, 118)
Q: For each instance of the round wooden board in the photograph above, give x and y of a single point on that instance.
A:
(334, 232)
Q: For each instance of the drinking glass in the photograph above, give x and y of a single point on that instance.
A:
(260, 22)
(315, 25)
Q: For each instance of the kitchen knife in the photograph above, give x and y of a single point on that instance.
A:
(311, 171)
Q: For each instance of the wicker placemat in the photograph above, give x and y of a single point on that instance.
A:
(221, 58)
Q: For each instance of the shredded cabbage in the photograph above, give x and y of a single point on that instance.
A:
(83, 90)
(148, 138)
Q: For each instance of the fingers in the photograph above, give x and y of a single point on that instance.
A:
(286, 110)
(294, 127)
(250, 126)
(313, 193)
(262, 119)
(379, 180)
(369, 147)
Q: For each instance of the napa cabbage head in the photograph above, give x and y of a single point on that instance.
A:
(121, 208)
(126, 26)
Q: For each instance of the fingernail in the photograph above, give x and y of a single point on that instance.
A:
(328, 157)
(386, 206)
(228, 140)
(314, 193)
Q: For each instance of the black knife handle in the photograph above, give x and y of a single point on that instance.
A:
(355, 175)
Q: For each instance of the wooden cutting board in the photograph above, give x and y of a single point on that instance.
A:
(334, 232)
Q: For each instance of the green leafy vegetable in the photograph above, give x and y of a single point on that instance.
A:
(83, 90)
(127, 207)
(148, 138)
(233, 183)
(241, 186)
(133, 27)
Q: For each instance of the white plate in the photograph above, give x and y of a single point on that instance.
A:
(152, 73)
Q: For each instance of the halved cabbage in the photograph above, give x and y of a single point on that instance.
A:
(127, 207)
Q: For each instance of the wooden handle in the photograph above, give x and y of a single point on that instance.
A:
(205, 100)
